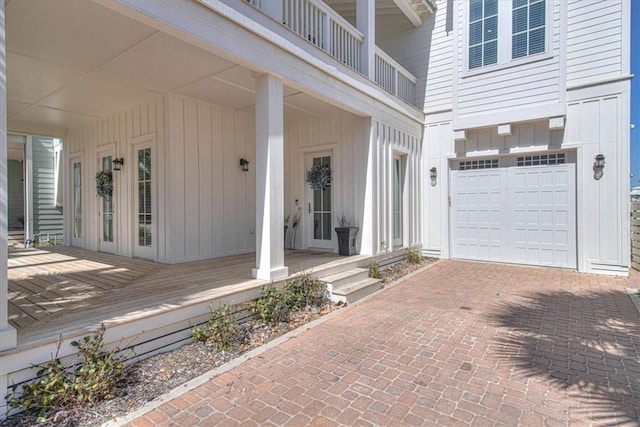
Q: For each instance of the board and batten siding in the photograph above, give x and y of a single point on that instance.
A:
(596, 126)
(594, 41)
(342, 134)
(505, 87)
(46, 215)
(119, 130)
(387, 142)
(210, 200)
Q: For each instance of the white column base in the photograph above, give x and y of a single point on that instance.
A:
(8, 338)
(271, 275)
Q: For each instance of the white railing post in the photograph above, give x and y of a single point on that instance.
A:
(326, 32)
(366, 24)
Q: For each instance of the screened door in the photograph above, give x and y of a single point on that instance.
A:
(144, 239)
(319, 207)
(106, 230)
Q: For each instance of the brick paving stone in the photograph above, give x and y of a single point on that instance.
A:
(460, 343)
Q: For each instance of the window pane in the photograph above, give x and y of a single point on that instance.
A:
(326, 200)
(519, 45)
(536, 41)
(317, 226)
(326, 226)
(519, 20)
(475, 33)
(490, 7)
(491, 53)
(519, 3)
(491, 28)
(536, 15)
(475, 57)
(475, 10)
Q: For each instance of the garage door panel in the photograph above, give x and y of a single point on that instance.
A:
(523, 215)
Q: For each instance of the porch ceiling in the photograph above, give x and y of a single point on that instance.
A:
(71, 61)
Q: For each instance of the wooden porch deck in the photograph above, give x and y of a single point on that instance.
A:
(62, 290)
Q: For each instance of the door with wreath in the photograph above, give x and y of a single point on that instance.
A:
(106, 207)
(319, 218)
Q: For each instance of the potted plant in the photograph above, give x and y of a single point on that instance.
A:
(346, 237)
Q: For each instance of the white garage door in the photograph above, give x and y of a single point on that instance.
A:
(520, 214)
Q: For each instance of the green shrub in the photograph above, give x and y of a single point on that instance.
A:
(272, 306)
(303, 291)
(221, 329)
(374, 270)
(413, 257)
(93, 378)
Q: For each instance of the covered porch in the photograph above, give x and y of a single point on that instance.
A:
(68, 292)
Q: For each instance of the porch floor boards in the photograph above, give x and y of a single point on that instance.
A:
(59, 290)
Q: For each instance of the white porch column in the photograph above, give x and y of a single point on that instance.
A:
(369, 232)
(269, 179)
(8, 338)
(366, 24)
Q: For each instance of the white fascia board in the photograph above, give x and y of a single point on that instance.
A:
(513, 116)
(255, 41)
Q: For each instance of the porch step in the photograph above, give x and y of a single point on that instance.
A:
(351, 285)
(355, 291)
(345, 277)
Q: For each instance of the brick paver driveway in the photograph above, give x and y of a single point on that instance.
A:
(460, 343)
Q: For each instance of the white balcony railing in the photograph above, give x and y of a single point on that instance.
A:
(320, 25)
(394, 78)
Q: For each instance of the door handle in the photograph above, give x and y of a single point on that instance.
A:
(309, 207)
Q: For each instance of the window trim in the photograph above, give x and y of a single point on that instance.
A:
(505, 19)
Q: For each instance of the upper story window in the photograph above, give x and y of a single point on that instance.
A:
(483, 33)
(505, 30)
(527, 27)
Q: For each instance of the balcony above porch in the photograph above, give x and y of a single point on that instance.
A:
(338, 28)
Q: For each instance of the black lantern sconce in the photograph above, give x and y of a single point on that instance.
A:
(598, 166)
(244, 164)
(433, 174)
(117, 164)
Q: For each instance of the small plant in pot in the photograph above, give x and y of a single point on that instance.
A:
(346, 236)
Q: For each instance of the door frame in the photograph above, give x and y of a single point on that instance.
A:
(141, 142)
(109, 247)
(308, 156)
(403, 156)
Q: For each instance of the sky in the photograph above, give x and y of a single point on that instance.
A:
(635, 92)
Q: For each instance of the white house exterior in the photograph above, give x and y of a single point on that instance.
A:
(465, 143)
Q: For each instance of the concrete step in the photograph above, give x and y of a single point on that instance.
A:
(352, 292)
(345, 277)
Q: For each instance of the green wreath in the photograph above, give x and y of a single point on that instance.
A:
(104, 184)
(319, 177)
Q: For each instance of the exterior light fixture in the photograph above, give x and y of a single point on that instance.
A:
(598, 166)
(117, 164)
(244, 164)
(433, 174)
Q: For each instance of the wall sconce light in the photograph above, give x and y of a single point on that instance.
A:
(598, 166)
(117, 164)
(433, 174)
(244, 164)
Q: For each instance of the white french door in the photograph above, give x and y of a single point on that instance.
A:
(77, 224)
(397, 181)
(144, 234)
(106, 206)
(319, 207)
